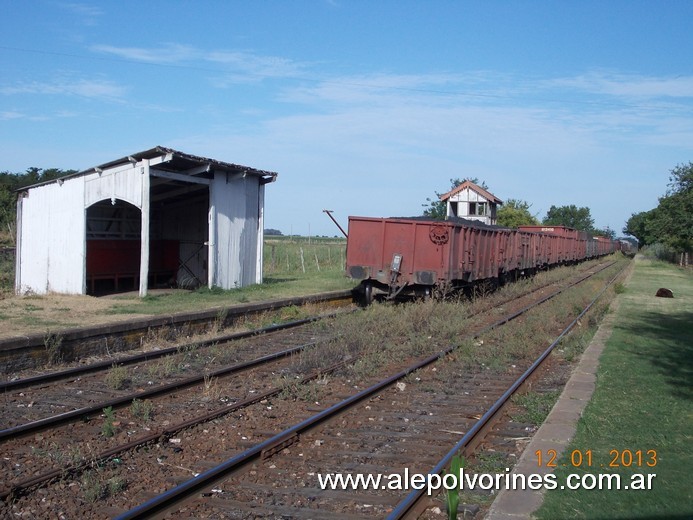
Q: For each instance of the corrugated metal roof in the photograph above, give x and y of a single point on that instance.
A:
(179, 162)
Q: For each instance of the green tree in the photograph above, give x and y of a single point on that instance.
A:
(515, 213)
(436, 208)
(681, 179)
(570, 216)
(606, 232)
(636, 226)
(671, 222)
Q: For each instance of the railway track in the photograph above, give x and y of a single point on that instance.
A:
(159, 446)
(388, 441)
(167, 408)
(70, 345)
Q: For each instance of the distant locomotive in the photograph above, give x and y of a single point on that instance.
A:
(404, 257)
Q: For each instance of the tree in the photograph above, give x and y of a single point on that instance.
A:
(671, 222)
(570, 216)
(436, 208)
(636, 226)
(515, 213)
(681, 179)
(606, 232)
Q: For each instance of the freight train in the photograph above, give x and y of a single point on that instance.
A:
(397, 258)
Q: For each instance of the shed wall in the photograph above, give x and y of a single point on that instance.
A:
(52, 244)
(123, 183)
(236, 218)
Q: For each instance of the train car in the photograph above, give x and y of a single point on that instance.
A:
(398, 257)
(565, 246)
(405, 257)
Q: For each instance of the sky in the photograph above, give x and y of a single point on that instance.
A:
(362, 107)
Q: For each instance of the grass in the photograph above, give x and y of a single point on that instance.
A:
(642, 402)
(142, 410)
(117, 377)
(273, 287)
(53, 344)
(536, 406)
(96, 487)
(284, 276)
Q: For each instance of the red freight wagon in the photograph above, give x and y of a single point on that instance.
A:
(399, 257)
(566, 247)
(605, 245)
(408, 257)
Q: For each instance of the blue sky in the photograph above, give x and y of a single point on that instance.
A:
(363, 107)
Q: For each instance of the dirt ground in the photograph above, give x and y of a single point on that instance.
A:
(23, 315)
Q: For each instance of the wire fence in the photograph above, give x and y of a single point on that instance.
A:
(301, 257)
(667, 254)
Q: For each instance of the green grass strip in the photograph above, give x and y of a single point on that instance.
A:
(643, 401)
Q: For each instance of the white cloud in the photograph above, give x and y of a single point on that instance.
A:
(11, 114)
(234, 66)
(100, 89)
(166, 54)
(628, 86)
(87, 12)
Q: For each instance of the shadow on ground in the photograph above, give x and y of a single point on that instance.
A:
(671, 351)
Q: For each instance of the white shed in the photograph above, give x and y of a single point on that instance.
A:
(158, 217)
(471, 202)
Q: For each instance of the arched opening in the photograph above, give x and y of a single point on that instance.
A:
(113, 234)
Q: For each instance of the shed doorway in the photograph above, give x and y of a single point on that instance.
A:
(113, 240)
(113, 247)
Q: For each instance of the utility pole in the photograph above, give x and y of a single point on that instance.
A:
(329, 214)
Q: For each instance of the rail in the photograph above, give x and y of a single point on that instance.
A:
(170, 499)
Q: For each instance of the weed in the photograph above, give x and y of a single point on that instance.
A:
(57, 454)
(157, 336)
(117, 377)
(53, 345)
(619, 288)
(490, 462)
(141, 409)
(108, 429)
(210, 389)
(220, 320)
(116, 485)
(536, 406)
(92, 487)
(452, 498)
(165, 367)
(222, 354)
(291, 312)
(294, 389)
